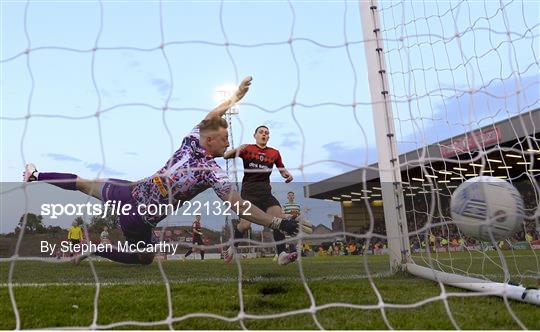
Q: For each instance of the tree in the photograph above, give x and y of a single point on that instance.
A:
(34, 223)
(97, 223)
(55, 230)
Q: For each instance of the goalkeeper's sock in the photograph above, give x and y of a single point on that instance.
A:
(278, 236)
(65, 181)
(119, 256)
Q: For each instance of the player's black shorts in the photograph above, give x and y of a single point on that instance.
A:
(197, 239)
(260, 195)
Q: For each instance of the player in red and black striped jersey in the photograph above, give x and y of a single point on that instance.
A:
(259, 160)
(196, 229)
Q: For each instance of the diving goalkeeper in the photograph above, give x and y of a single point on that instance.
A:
(191, 170)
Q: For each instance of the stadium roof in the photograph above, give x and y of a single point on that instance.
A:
(506, 133)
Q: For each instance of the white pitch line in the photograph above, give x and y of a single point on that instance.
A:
(192, 280)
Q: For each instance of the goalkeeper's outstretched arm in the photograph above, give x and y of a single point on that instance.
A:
(236, 97)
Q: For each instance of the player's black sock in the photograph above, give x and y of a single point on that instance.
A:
(237, 235)
(202, 254)
(278, 236)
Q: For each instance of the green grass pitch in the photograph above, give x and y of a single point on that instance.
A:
(63, 295)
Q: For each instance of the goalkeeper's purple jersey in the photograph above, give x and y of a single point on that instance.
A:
(187, 173)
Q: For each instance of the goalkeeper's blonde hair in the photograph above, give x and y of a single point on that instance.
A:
(212, 124)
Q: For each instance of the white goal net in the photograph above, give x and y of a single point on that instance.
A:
(380, 111)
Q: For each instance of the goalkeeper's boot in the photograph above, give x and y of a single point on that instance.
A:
(30, 173)
(229, 254)
(286, 258)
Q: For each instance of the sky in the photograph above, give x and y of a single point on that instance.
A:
(310, 84)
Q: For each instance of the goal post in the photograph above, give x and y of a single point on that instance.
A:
(387, 154)
(513, 292)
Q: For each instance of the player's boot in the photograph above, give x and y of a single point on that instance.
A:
(29, 171)
(286, 258)
(229, 254)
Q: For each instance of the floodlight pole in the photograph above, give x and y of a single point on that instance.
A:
(388, 159)
(234, 110)
(224, 95)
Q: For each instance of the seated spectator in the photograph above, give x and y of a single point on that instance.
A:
(321, 252)
(104, 236)
(351, 248)
(376, 248)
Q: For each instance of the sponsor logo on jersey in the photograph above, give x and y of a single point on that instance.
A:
(255, 165)
(159, 184)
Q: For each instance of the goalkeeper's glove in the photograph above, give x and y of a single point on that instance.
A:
(291, 226)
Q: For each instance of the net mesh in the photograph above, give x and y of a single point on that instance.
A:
(456, 72)
(452, 68)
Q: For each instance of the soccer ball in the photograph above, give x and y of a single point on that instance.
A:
(486, 205)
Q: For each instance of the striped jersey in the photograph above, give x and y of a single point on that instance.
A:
(262, 159)
(292, 208)
(196, 228)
